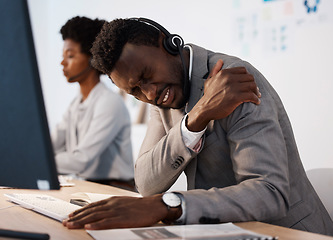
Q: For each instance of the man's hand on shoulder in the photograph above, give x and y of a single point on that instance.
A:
(225, 90)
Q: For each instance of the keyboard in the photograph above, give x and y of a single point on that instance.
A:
(50, 206)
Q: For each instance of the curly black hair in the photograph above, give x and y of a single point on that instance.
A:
(109, 43)
(82, 30)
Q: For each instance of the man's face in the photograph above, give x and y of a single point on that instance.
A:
(151, 75)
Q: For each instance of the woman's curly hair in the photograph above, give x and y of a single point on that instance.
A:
(82, 30)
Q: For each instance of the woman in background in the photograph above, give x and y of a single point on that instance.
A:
(93, 141)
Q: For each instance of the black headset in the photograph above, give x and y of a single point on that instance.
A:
(173, 44)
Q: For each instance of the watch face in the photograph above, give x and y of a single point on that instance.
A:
(171, 199)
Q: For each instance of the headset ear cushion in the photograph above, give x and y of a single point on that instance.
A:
(169, 44)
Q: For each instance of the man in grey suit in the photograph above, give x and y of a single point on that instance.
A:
(240, 158)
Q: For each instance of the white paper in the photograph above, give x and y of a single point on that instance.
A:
(93, 197)
(225, 231)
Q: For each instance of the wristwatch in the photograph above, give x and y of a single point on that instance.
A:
(173, 201)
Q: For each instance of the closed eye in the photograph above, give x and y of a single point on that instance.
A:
(145, 75)
(136, 91)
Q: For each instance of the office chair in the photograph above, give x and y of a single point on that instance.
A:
(322, 181)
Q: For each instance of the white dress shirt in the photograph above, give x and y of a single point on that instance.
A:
(191, 139)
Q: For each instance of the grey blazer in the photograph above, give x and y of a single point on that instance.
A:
(248, 167)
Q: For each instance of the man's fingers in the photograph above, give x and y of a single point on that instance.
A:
(99, 225)
(107, 223)
(86, 214)
(86, 218)
(247, 86)
(85, 208)
(238, 75)
(250, 91)
(90, 211)
(250, 97)
(217, 67)
(258, 93)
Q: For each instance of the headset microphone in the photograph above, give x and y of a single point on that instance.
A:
(84, 71)
(174, 45)
(80, 74)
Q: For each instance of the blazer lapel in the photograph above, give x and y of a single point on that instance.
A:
(199, 72)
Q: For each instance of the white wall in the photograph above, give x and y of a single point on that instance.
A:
(291, 47)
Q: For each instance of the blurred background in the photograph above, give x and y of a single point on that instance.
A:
(288, 41)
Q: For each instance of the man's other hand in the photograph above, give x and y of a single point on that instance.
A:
(225, 90)
(120, 212)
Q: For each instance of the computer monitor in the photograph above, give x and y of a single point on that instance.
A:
(26, 153)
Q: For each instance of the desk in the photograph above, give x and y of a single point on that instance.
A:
(18, 218)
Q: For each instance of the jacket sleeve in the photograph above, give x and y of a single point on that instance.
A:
(163, 155)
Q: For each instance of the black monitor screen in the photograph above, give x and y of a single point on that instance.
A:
(26, 154)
